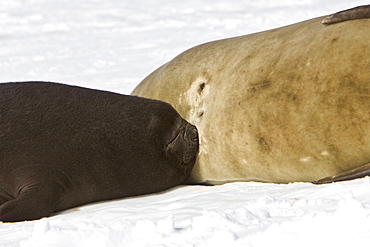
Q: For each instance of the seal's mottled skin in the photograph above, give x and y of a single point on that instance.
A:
(285, 105)
(63, 146)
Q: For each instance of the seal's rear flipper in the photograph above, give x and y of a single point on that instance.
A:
(361, 12)
(359, 172)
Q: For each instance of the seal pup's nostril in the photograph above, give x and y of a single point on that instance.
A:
(192, 133)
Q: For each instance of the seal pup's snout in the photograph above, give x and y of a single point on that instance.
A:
(190, 145)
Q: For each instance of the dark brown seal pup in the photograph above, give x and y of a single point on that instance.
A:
(62, 146)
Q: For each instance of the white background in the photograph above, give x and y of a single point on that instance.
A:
(112, 45)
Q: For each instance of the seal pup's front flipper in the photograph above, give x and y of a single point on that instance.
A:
(361, 12)
(359, 172)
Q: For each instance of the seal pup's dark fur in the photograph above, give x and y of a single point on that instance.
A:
(62, 146)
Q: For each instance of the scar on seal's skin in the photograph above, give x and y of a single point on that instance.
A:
(361, 12)
(201, 87)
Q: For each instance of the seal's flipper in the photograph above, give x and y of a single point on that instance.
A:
(32, 203)
(361, 12)
(359, 172)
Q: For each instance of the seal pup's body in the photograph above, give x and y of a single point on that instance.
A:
(63, 146)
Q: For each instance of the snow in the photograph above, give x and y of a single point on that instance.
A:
(234, 214)
(112, 45)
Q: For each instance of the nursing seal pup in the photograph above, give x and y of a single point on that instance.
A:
(63, 146)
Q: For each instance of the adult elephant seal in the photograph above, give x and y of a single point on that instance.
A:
(63, 146)
(286, 105)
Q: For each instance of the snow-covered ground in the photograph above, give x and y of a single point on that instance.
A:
(112, 45)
